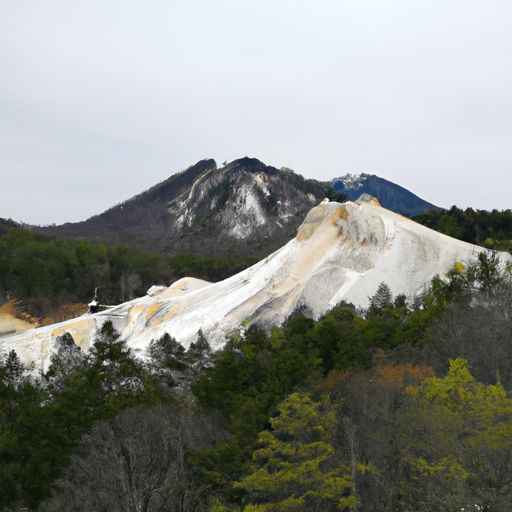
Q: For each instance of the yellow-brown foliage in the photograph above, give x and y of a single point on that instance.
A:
(64, 312)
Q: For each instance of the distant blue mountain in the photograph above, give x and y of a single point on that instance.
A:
(390, 195)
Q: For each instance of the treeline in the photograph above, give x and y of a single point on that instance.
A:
(210, 269)
(491, 229)
(404, 406)
(49, 271)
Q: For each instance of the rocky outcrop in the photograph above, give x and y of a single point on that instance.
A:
(244, 207)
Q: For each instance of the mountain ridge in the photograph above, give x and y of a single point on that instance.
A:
(341, 252)
(243, 207)
(391, 195)
(206, 210)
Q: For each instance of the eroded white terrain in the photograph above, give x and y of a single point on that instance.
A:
(341, 252)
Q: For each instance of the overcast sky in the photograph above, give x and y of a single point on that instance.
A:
(100, 99)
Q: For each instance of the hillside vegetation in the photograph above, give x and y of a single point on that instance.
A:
(46, 272)
(491, 229)
(404, 406)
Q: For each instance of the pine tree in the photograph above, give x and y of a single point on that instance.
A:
(295, 468)
(199, 354)
(14, 370)
(113, 359)
(12, 377)
(383, 298)
(168, 353)
(488, 271)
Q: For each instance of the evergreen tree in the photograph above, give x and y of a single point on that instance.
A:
(169, 363)
(168, 353)
(295, 467)
(12, 377)
(488, 271)
(382, 299)
(112, 359)
(199, 354)
(14, 370)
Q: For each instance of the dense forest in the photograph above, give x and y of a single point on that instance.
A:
(45, 272)
(404, 406)
(491, 229)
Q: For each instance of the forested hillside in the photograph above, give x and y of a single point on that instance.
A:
(49, 271)
(492, 229)
(404, 406)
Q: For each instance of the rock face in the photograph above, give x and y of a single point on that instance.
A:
(245, 207)
(341, 252)
(69, 353)
(390, 195)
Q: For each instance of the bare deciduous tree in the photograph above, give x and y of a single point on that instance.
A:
(137, 463)
(479, 330)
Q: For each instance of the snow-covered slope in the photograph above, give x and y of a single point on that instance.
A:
(341, 252)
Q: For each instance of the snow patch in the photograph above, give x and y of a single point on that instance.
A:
(351, 181)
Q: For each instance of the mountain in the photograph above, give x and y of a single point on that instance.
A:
(341, 252)
(244, 207)
(390, 195)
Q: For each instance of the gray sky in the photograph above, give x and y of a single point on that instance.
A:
(100, 99)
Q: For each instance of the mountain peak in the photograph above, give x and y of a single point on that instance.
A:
(389, 194)
(201, 166)
(350, 181)
(206, 210)
(248, 164)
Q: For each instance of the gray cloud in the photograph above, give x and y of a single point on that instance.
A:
(100, 100)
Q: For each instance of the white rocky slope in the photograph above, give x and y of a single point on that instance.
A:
(208, 211)
(341, 252)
